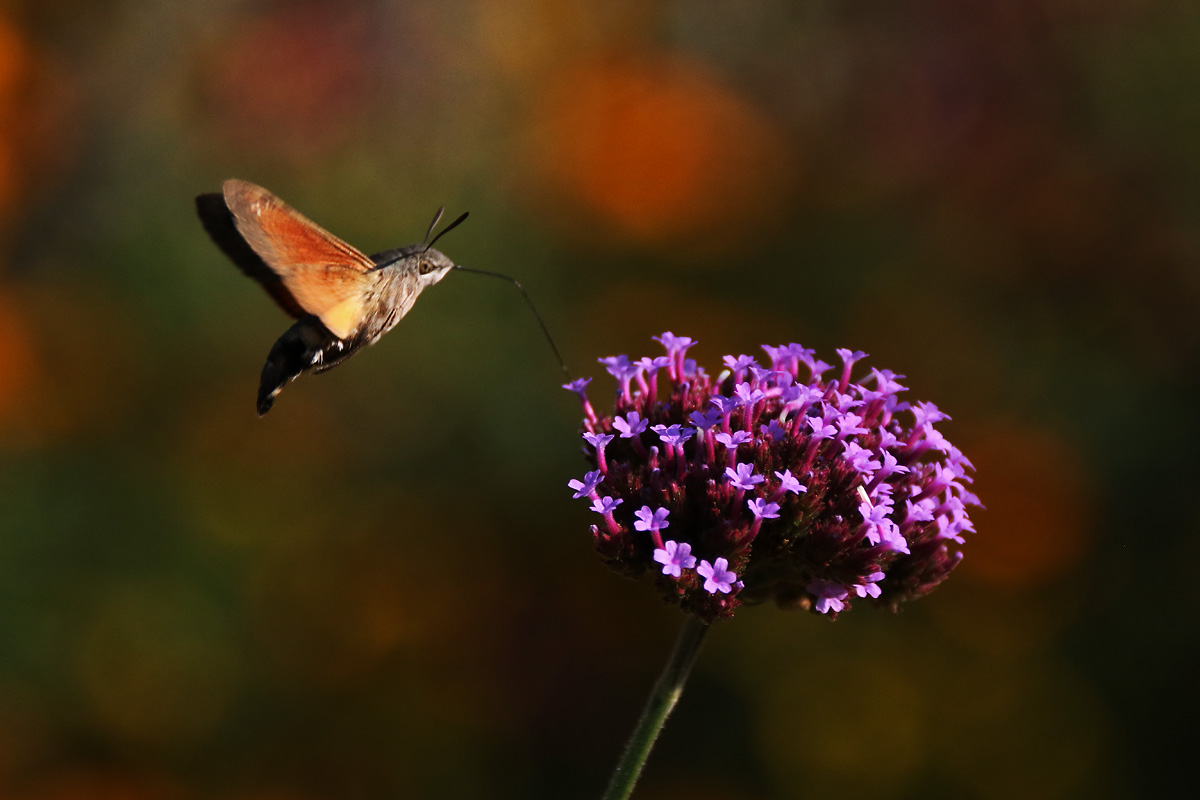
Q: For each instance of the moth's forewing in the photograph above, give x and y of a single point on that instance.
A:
(219, 223)
(323, 274)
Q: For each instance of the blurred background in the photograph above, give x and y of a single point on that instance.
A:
(383, 588)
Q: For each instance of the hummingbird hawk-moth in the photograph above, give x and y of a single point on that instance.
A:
(342, 299)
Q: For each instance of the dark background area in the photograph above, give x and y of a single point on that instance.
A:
(383, 588)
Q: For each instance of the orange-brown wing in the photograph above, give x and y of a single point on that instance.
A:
(326, 276)
(221, 226)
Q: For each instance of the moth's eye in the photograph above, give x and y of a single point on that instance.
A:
(425, 267)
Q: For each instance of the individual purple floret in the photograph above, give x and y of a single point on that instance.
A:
(734, 439)
(830, 596)
(648, 520)
(870, 586)
(587, 486)
(739, 365)
(673, 435)
(677, 347)
(773, 430)
(747, 396)
(743, 476)
(820, 428)
(605, 505)
(717, 578)
(848, 359)
(629, 426)
(650, 367)
(579, 387)
(725, 405)
(786, 480)
(860, 458)
(597, 440)
(761, 508)
(675, 558)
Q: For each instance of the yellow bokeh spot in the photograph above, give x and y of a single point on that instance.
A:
(845, 728)
(155, 664)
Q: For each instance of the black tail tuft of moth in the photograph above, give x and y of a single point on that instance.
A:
(288, 358)
(302, 347)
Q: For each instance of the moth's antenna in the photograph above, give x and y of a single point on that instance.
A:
(524, 293)
(432, 225)
(436, 218)
(446, 229)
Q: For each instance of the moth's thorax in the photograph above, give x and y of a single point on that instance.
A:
(397, 286)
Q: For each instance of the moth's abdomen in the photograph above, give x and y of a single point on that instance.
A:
(305, 346)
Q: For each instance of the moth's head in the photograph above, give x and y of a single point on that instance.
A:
(429, 265)
(432, 266)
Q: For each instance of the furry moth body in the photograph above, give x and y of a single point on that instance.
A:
(342, 299)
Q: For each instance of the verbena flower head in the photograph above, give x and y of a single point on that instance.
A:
(775, 482)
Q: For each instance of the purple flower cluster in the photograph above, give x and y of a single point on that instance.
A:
(772, 482)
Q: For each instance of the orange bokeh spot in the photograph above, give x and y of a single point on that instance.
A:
(60, 336)
(34, 135)
(15, 71)
(1037, 521)
(658, 150)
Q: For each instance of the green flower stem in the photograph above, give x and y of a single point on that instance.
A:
(658, 707)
